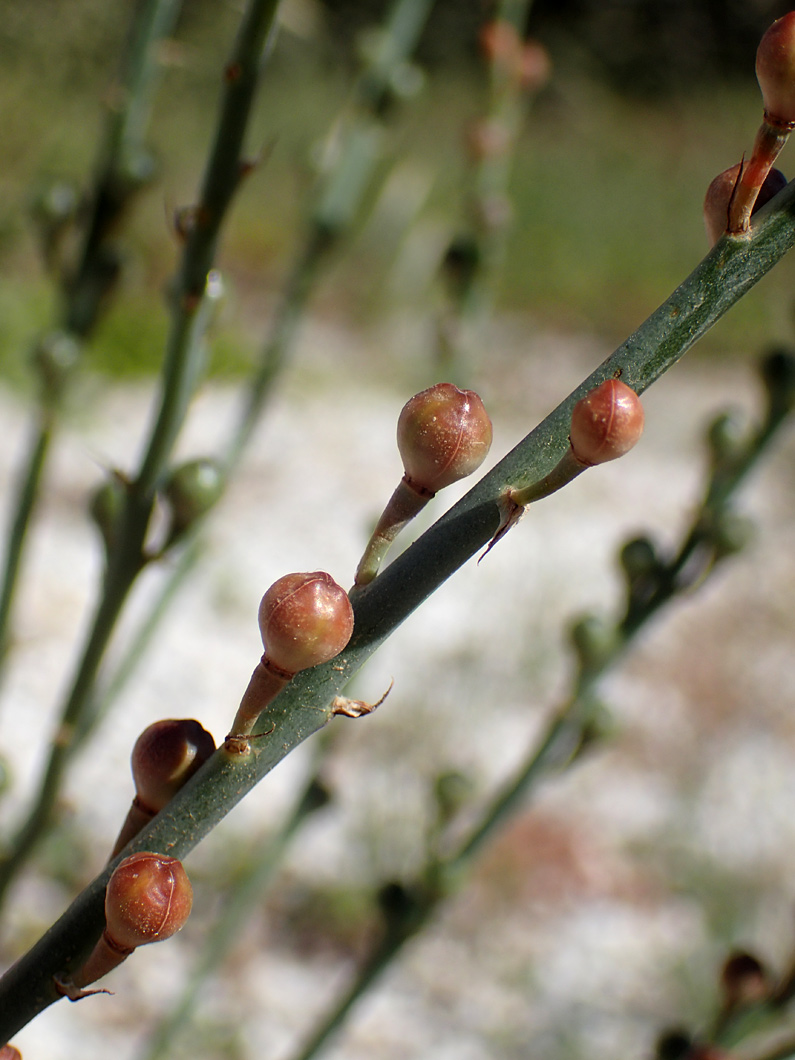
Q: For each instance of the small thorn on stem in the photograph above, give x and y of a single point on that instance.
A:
(357, 708)
(68, 990)
(238, 743)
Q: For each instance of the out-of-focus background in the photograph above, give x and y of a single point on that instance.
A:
(603, 913)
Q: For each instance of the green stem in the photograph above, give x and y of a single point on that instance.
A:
(84, 291)
(390, 946)
(305, 705)
(195, 292)
(27, 493)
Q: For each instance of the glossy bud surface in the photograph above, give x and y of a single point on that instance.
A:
(149, 898)
(606, 423)
(775, 70)
(443, 435)
(165, 756)
(305, 620)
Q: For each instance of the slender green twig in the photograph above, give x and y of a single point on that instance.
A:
(306, 703)
(121, 172)
(194, 291)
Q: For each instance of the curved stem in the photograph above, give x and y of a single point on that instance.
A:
(304, 706)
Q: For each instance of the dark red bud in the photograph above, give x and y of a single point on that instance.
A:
(165, 756)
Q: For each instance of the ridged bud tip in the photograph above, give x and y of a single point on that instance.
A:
(149, 898)
(305, 620)
(606, 423)
(775, 71)
(443, 435)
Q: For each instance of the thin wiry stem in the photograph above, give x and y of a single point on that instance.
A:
(194, 292)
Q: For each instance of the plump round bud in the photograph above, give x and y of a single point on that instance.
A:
(775, 70)
(443, 435)
(192, 489)
(730, 533)
(54, 357)
(149, 898)
(606, 423)
(165, 756)
(452, 790)
(10, 1052)
(305, 620)
(719, 193)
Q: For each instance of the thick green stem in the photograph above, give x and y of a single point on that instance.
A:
(728, 272)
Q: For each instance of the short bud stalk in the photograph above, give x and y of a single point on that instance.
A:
(405, 503)
(768, 144)
(266, 683)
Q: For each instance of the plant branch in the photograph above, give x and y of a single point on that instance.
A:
(121, 173)
(304, 706)
(195, 291)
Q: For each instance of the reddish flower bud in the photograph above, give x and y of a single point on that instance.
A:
(775, 71)
(304, 619)
(500, 43)
(443, 435)
(148, 899)
(719, 194)
(165, 756)
(10, 1052)
(606, 423)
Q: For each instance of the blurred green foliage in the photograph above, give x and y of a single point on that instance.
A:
(607, 187)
